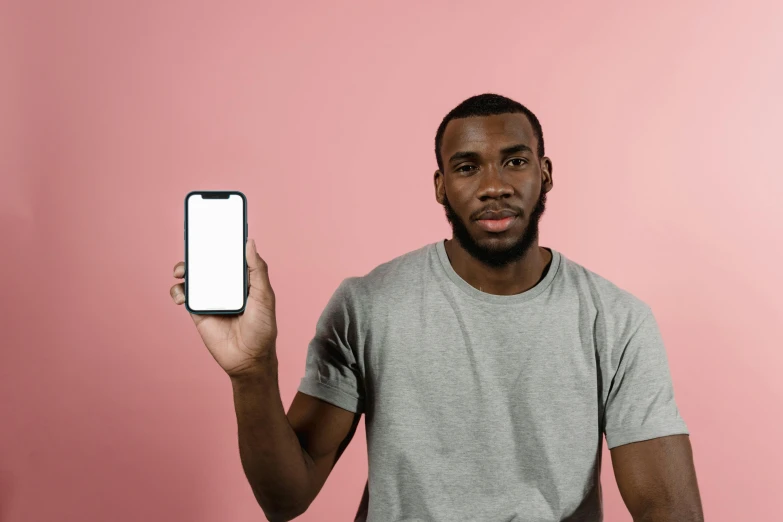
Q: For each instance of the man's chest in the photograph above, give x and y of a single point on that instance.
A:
(489, 365)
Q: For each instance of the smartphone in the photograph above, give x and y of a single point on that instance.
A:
(215, 261)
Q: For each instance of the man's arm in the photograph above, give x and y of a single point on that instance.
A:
(657, 480)
(287, 458)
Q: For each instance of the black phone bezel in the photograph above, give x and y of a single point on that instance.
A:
(217, 194)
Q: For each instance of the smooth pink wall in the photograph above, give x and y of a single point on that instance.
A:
(663, 122)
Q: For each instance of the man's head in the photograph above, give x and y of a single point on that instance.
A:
(492, 177)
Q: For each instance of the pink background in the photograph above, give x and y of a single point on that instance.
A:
(662, 120)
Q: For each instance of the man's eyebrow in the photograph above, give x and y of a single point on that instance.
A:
(468, 155)
(514, 149)
(464, 155)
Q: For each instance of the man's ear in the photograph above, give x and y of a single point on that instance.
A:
(546, 174)
(440, 188)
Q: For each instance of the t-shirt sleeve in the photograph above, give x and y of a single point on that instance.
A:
(332, 372)
(640, 405)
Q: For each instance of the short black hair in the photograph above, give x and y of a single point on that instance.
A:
(488, 105)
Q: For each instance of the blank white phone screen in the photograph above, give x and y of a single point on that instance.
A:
(216, 253)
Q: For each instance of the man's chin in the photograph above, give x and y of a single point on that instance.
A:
(494, 246)
(499, 243)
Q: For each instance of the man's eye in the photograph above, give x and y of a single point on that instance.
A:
(517, 162)
(466, 168)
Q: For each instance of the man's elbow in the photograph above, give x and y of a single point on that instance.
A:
(671, 513)
(284, 514)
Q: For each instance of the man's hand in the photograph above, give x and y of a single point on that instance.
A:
(239, 342)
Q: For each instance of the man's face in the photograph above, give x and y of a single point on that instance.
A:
(493, 186)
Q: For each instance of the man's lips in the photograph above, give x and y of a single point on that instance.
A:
(496, 225)
(496, 220)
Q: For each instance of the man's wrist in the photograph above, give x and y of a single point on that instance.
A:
(259, 371)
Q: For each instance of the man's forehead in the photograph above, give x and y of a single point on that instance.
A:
(500, 129)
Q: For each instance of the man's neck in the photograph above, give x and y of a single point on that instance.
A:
(514, 278)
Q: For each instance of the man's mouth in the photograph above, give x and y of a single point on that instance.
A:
(496, 225)
(496, 220)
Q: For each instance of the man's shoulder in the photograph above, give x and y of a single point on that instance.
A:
(608, 297)
(398, 272)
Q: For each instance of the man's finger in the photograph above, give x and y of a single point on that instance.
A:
(258, 273)
(179, 270)
(178, 293)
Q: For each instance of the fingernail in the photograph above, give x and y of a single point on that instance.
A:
(180, 298)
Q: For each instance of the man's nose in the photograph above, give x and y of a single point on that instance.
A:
(493, 184)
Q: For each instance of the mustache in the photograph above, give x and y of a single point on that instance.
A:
(496, 209)
(535, 214)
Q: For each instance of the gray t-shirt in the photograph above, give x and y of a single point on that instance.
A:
(489, 408)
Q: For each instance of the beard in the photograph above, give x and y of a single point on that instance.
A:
(497, 256)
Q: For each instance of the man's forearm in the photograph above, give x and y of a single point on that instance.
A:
(273, 460)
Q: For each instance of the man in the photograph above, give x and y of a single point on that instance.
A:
(488, 367)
